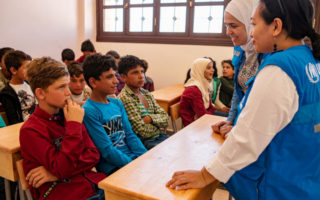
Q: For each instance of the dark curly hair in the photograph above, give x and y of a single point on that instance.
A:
(94, 65)
(127, 63)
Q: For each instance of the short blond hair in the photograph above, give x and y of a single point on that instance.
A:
(42, 72)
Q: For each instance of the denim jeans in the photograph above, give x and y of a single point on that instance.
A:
(149, 144)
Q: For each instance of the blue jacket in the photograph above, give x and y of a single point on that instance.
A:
(289, 168)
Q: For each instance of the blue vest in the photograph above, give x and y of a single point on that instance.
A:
(238, 61)
(289, 168)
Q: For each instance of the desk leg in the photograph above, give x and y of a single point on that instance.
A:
(7, 188)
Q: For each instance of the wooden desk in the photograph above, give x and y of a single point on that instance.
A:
(168, 96)
(9, 151)
(145, 177)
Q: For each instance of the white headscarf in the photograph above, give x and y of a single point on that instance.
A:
(198, 79)
(242, 10)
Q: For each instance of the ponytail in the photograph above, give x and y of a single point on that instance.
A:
(315, 40)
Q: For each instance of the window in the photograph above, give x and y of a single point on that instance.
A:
(162, 21)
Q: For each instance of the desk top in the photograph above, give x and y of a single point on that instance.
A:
(145, 177)
(168, 94)
(9, 138)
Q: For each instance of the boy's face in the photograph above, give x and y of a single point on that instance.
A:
(107, 84)
(55, 96)
(4, 68)
(77, 84)
(21, 72)
(227, 70)
(134, 78)
(19, 75)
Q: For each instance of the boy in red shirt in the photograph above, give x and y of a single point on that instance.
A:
(57, 150)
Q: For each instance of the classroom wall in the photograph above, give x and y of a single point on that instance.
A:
(40, 27)
(45, 27)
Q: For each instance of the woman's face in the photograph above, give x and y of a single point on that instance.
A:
(208, 72)
(261, 33)
(235, 29)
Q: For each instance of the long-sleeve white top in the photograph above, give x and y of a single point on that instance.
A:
(271, 105)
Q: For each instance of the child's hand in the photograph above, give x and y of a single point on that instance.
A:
(225, 109)
(147, 119)
(38, 176)
(73, 112)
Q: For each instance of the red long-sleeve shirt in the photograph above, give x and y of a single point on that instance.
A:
(72, 158)
(191, 105)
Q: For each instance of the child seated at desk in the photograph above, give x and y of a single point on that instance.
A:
(17, 98)
(226, 86)
(148, 82)
(80, 92)
(115, 55)
(87, 48)
(57, 150)
(106, 118)
(196, 98)
(67, 56)
(3, 71)
(147, 118)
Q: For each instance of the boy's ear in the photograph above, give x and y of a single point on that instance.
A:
(123, 77)
(92, 82)
(40, 93)
(13, 70)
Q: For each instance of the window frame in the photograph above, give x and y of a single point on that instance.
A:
(188, 38)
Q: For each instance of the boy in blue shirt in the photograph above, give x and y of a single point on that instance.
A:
(106, 119)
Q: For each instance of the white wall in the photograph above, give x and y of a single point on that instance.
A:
(39, 27)
(168, 64)
(45, 27)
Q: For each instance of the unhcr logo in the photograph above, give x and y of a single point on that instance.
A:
(235, 52)
(313, 72)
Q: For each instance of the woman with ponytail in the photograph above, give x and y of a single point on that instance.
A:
(273, 151)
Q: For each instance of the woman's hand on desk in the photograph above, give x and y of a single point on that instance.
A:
(190, 179)
(38, 176)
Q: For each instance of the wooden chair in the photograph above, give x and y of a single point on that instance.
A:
(23, 184)
(175, 114)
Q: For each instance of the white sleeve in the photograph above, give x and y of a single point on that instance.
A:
(271, 105)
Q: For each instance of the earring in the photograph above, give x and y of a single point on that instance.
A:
(274, 47)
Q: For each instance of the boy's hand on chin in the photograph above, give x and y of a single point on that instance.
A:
(73, 111)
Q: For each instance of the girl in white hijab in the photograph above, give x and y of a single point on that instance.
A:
(196, 98)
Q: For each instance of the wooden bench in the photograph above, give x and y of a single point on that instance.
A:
(145, 177)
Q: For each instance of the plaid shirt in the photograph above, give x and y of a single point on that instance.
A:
(132, 105)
